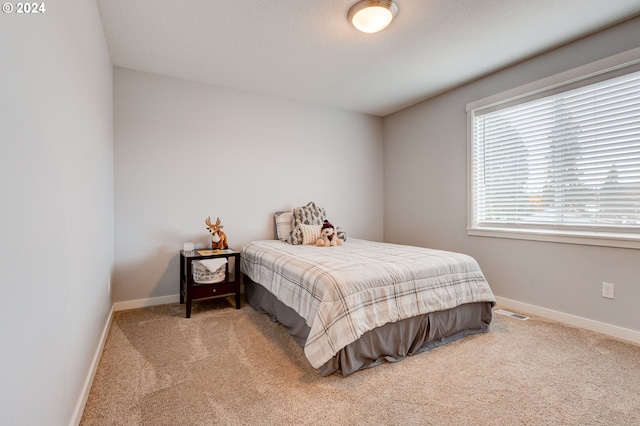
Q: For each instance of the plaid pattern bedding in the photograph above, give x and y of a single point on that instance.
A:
(343, 292)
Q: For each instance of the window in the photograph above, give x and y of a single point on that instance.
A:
(560, 161)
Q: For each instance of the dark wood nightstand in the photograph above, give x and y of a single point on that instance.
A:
(190, 290)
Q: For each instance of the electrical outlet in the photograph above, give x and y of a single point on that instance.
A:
(607, 290)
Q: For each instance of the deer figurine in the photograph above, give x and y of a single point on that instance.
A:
(218, 238)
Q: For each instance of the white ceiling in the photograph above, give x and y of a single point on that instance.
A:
(306, 50)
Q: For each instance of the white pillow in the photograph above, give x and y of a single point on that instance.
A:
(283, 224)
(310, 234)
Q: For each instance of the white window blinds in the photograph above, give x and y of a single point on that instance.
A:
(567, 160)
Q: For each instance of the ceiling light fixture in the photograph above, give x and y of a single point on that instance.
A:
(371, 16)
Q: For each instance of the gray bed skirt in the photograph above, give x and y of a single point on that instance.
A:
(390, 342)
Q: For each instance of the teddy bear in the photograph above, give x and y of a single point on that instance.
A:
(328, 236)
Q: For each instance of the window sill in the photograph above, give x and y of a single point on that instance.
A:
(630, 241)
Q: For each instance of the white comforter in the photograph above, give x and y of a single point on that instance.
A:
(343, 292)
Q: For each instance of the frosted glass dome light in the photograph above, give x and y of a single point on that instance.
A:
(371, 16)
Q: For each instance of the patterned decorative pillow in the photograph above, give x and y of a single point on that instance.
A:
(310, 234)
(283, 224)
(311, 214)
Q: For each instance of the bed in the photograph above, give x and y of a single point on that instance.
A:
(363, 303)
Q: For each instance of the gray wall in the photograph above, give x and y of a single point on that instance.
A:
(185, 151)
(56, 160)
(425, 197)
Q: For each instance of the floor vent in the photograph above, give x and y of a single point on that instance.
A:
(511, 314)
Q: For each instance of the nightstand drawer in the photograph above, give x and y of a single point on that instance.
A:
(209, 290)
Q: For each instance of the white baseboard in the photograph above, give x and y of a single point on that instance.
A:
(600, 327)
(143, 303)
(86, 389)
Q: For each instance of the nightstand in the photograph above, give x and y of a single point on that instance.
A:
(190, 290)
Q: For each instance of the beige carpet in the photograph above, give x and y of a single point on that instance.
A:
(234, 367)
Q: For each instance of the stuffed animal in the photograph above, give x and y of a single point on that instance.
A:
(218, 238)
(328, 236)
